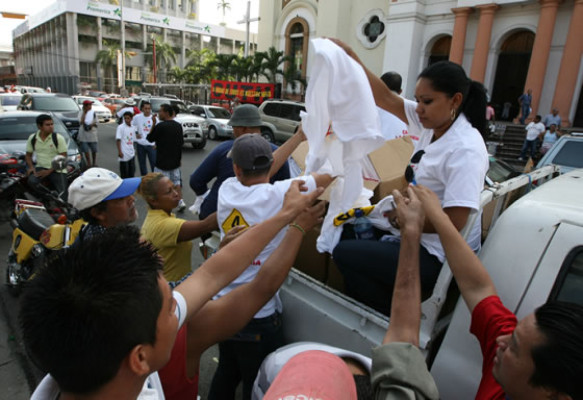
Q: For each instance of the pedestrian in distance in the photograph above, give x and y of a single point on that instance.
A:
(524, 101)
(124, 140)
(144, 122)
(88, 133)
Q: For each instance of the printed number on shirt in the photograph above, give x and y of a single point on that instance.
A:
(234, 219)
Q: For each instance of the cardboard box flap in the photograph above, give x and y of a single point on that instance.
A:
(391, 160)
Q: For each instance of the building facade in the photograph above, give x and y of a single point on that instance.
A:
(508, 45)
(58, 46)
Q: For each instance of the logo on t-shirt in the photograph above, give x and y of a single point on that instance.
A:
(234, 219)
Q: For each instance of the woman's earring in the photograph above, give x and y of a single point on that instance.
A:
(452, 114)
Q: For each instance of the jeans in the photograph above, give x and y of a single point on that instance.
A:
(525, 112)
(127, 169)
(143, 152)
(529, 144)
(57, 179)
(241, 356)
(370, 268)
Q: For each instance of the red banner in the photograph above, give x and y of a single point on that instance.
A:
(246, 92)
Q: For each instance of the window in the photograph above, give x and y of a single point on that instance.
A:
(296, 45)
(371, 28)
(570, 154)
(272, 109)
(570, 280)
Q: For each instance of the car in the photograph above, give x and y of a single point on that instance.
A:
(499, 171)
(61, 105)
(567, 153)
(17, 126)
(103, 113)
(30, 89)
(191, 125)
(283, 116)
(216, 120)
(114, 104)
(9, 101)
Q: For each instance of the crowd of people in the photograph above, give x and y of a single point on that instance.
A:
(121, 314)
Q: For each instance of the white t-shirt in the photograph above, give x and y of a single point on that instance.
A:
(249, 205)
(48, 389)
(534, 129)
(454, 167)
(126, 135)
(392, 127)
(143, 125)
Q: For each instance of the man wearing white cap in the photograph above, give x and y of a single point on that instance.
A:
(103, 199)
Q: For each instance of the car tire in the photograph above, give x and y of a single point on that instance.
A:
(199, 145)
(213, 133)
(267, 135)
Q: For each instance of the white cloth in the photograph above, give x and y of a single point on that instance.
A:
(48, 389)
(89, 117)
(339, 92)
(254, 204)
(275, 361)
(454, 167)
(126, 134)
(143, 126)
(534, 129)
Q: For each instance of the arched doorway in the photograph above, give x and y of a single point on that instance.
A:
(440, 50)
(296, 48)
(511, 72)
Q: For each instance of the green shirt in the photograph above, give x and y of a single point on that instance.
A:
(45, 149)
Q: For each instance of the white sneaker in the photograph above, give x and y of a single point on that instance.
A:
(181, 205)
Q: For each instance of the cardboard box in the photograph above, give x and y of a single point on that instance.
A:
(389, 163)
(309, 260)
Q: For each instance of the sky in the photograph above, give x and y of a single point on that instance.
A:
(207, 9)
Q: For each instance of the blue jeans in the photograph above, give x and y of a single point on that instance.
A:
(241, 356)
(143, 152)
(529, 144)
(525, 112)
(370, 268)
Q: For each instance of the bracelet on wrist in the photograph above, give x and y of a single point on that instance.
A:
(299, 228)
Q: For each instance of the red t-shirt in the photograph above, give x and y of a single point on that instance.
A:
(490, 319)
(176, 385)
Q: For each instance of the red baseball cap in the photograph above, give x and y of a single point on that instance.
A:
(85, 102)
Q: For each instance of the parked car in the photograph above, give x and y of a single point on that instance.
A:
(63, 107)
(191, 125)
(103, 113)
(17, 126)
(114, 104)
(30, 89)
(10, 101)
(283, 115)
(216, 119)
(567, 153)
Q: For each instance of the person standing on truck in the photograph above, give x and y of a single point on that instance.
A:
(245, 119)
(539, 357)
(248, 199)
(449, 118)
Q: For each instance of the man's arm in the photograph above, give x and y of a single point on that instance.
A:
(383, 96)
(29, 163)
(152, 135)
(283, 152)
(205, 172)
(322, 180)
(406, 304)
(222, 318)
(193, 229)
(230, 261)
(472, 278)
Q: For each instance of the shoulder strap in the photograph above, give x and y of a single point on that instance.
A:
(33, 141)
(55, 140)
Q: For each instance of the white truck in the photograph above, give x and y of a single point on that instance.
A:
(534, 252)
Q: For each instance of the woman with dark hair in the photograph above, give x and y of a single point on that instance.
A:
(449, 116)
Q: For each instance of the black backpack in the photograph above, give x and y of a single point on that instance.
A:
(53, 137)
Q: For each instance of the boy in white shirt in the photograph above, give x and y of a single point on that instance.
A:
(124, 139)
(144, 122)
(248, 199)
(533, 131)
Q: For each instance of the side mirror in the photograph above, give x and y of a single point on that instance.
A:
(59, 162)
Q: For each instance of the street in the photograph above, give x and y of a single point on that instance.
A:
(18, 376)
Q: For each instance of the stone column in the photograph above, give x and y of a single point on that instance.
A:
(570, 63)
(482, 46)
(540, 51)
(458, 41)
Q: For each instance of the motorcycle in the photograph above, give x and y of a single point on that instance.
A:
(38, 233)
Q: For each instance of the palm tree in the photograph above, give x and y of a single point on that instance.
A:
(257, 66)
(273, 59)
(242, 68)
(177, 74)
(224, 62)
(108, 60)
(224, 5)
(165, 55)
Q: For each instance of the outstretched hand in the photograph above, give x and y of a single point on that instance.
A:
(410, 214)
(295, 202)
(233, 234)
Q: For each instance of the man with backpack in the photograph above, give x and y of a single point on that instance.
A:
(46, 144)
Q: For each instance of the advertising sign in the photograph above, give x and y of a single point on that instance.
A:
(247, 92)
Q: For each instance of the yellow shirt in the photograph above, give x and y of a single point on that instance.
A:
(45, 149)
(161, 230)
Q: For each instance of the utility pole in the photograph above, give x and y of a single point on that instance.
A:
(247, 21)
(123, 52)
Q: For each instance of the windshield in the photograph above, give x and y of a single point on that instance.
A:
(156, 103)
(20, 127)
(55, 104)
(217, 112)
(10, 100)
(570, 155)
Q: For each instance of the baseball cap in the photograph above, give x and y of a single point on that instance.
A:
(245, 115)
(85, 102)
(99, 184)
(313, 374)
(251, 151)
